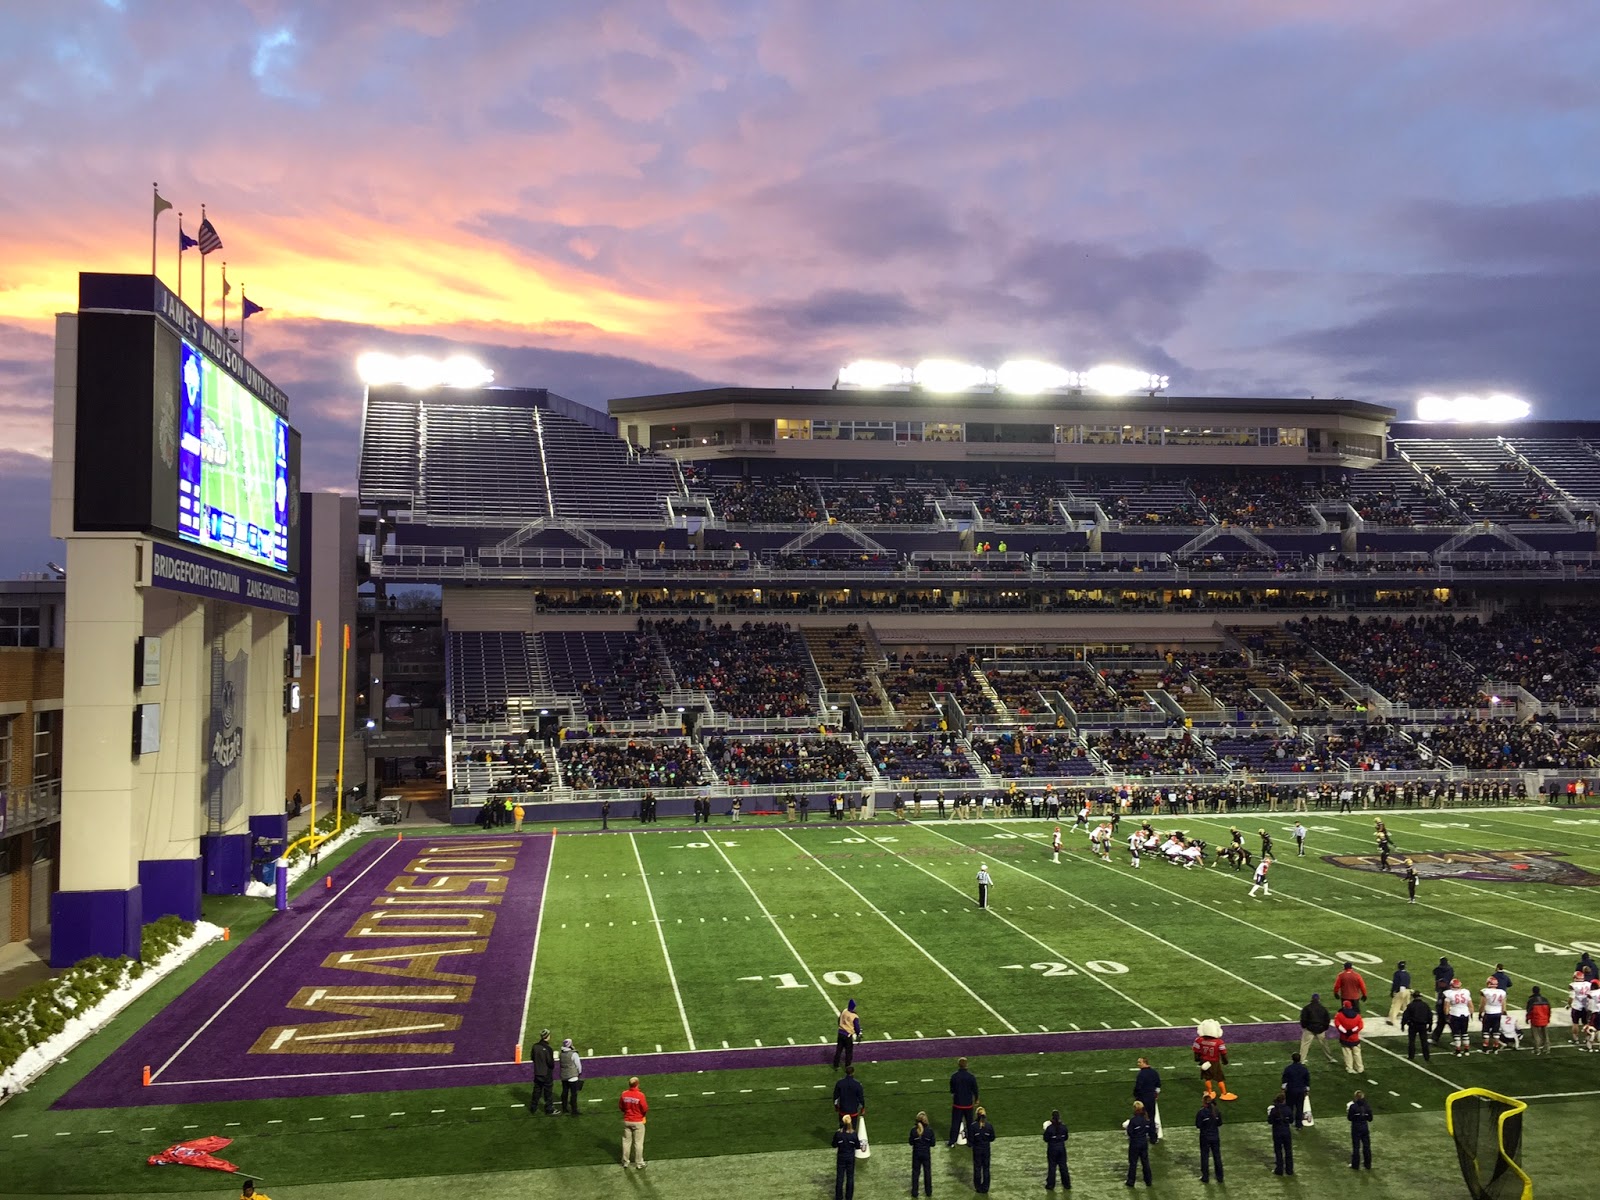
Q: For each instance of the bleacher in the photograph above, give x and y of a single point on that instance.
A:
(486, 669)
(1571, 465)
(616, 673)
(1393, 492)
(1481, 477)
(576, 456)
(842, 660)
(389, 453)
(480, 465)
(917, 757)
(1030, 754)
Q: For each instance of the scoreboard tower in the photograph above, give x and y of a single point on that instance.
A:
(175, 483)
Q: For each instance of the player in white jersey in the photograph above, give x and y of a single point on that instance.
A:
(1135, 847)
(1458, 1012)
(1491, 1008)
(1258, 881)
(1055, 845)
(1100, 841)
(1580, 1006)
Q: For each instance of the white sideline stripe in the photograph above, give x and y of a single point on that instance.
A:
(1497, 925)
(326, 1075)
(778, 929)
(538, 928)
(294, 937)
(1079, 967)
(655, 920)
(1559, 1095)
(989, 1008)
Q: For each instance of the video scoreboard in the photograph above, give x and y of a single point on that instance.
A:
(177, 434)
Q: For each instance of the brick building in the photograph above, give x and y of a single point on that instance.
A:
(31, 689)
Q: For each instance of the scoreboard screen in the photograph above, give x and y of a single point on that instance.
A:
(233, 466)
(177, 434)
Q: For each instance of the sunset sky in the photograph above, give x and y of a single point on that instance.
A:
(1266, 197)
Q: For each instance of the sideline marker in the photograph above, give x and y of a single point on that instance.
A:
(327, 883)
(145, 1081)
(399, 837)
(516, 1056)
(225, 932)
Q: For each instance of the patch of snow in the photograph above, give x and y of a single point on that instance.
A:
(79, 1028)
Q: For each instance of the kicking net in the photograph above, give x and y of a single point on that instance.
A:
(1487, 1129)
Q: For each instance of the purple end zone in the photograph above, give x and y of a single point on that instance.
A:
(412, 971)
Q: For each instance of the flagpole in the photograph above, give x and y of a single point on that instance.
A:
(155, 215)
(203, 316)
(180, 256)
(244, 300)
(224, 300)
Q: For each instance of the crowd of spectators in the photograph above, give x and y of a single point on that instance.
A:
(1408, 661)
(1508, 493)
(778, 500)
(757, 669)
(631, 689)
(887, 503)
(588, 763)
(1274, 753)
(1026, 753)
(812, 559)
(1503, 745)
(1128, 752)
(516, 765)
(1553, 653)
(918, 680)
(1373, 746)
(926, 756)
(1228, 676)
(1240, 562)
(785, 760)
(1257, 499)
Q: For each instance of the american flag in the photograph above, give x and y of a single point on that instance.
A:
(208, 238)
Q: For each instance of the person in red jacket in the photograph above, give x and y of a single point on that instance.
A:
(1348, 1023)
(1349, 987)
(634, 1108)
(1539, 1022)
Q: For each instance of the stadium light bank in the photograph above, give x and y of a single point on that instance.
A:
(1020, 377)
(418, 371)
(1472, 409)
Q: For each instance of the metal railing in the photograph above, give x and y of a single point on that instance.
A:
(29, 807)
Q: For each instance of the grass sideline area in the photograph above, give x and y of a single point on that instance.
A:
(1190, 944)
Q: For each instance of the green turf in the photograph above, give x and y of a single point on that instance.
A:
(811, 906)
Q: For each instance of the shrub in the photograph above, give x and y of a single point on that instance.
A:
(42, 1011)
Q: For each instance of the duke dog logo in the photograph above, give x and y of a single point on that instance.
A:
(1488, 866)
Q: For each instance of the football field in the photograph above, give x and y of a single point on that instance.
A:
(724, 938)
(364, 1045)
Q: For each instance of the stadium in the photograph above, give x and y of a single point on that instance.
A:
(702, 717)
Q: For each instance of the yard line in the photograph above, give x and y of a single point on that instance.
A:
(1148, 882)
(954, 978)
(1287, 861)
(1497, 925)
(294, 937)
(538, 927)
(773, 921)
(1509, 893)
(1160, 1020)
(1264, 991)
(655, 920)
